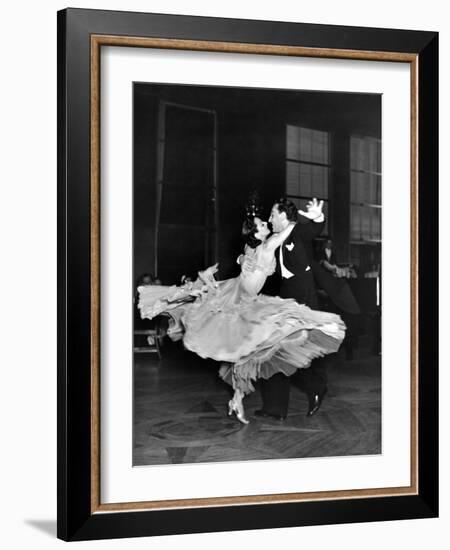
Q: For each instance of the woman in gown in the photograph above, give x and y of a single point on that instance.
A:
(251, 334)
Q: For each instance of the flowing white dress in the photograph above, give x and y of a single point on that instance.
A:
(253, 335)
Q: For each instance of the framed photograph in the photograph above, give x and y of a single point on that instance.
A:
(247, 286)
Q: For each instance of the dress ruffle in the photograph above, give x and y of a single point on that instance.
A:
(253, 336)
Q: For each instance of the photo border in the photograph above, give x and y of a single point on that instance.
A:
(81, 34)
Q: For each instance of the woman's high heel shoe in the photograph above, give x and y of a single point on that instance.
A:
(233, 407)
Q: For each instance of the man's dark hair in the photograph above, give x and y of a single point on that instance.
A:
(249, 229)
(286, 205)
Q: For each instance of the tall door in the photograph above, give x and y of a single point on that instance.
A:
(186, 206)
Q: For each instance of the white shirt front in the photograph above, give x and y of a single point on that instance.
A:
(285, 273)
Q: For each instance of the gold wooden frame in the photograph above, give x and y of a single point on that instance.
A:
(97, 41)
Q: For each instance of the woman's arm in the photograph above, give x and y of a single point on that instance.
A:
(207, 276)
(246, 263)
(277, 239)
(241, 258)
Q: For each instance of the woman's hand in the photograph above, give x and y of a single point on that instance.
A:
(207, 276)
(209, 272)
(248, 264)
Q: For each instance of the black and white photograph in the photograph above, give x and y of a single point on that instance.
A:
(257, 262)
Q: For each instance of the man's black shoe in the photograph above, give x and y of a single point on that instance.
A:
(315, 400)
(264, 414)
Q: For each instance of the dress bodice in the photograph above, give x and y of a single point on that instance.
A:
(263, 267)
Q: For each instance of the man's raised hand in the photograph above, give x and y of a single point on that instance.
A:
(313, 209)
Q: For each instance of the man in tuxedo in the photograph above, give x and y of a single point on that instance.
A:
(297, 281)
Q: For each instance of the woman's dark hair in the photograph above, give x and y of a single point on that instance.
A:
(285, 205)
(249, 229)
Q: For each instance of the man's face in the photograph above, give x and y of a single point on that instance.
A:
(277, 219)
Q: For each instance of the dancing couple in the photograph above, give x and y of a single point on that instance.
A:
(254, 336)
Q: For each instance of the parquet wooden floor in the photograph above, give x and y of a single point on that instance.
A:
(180, 414)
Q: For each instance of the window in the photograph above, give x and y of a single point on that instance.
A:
(307, 166)
(365, 193)
(365, 199)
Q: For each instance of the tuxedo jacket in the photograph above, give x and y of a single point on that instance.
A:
(309, 274)
(297, 258)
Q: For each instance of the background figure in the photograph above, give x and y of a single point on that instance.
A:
(335, 294)
(296, 281)
(327, 257)
(328, 260)
(158, 324)
(145, 279)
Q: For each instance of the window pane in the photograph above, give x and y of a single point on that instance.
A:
(365, 154)
(378, 190)
(305, 180)
(353, 187)
(305, 144)
(293, 142)
(292, 178)
(326, 150)
(358, 186)
(379, 156)
(372, 155)
(355, 222)
(375, 186)
(352, 153)
(366, 189)
(357, 153)
(319, 186)
(305, 149)
(319, 147)
(376, 223)
(366, 222)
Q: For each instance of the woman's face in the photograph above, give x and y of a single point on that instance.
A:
(262, 231)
